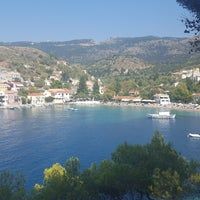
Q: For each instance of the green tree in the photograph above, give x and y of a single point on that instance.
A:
(117, 86)
(166, 185)
(54, 184)
(39, 83)
(61, 183)
(96, 88)
(126, 86)
(32, 89)
(108, 95)
(12, 186)
(181, 94)
(192, 25)
(24, 101)
(145, 159)
(65, 76)
(23, 92)
(82, 88)
(73, 166)
(56, 84)
(49, 99)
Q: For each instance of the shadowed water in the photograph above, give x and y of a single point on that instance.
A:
(33, 139)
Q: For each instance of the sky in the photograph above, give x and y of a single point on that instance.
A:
(62, 20)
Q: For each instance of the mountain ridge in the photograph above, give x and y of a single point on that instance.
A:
(163, 54)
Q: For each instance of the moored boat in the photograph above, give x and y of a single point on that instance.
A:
(194, 135)
(162, 115)
(73, 109)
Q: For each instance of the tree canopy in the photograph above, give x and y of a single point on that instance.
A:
(192, 25)
(150, 171)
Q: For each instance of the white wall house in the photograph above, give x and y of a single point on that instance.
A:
(162, 99)
(37, 99)
(8, 98)
(60, 95)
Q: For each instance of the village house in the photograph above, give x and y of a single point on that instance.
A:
(89, 85)
(186, 74)
(162, 99)
(62, 62)
(56, 76)
(16, 86)
(36, 99)
(10, 76)
(193, 74)
(134, 93)
(47, 82)
(60, 95)
(196, 75)
(4, 86)
(9, 98)
(74, 82)
(196, 97)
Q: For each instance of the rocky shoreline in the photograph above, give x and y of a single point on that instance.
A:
(172, 106)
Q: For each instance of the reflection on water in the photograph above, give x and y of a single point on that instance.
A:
(163, 124)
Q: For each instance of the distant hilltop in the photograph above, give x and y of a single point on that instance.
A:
(120, 55)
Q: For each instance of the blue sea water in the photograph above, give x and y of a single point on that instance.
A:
(33, 139)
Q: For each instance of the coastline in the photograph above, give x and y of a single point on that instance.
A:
(172, 106)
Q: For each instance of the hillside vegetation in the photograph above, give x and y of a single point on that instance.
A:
(32, 63)
(117, 55)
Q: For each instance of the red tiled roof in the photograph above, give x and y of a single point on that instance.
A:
(62, 90)
(35, 94)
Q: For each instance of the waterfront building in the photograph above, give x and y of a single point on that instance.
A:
(60, 95)
(9, 98)
(36, 99)
(162, 99)
(134, 93)
(4, 86)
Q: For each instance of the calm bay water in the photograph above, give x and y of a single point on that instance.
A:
(33, 139)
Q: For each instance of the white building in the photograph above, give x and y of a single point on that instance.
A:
(16, 86)
(162, 99)
(60, 95)
(8, 98)
(193, 74)
(37, 99)
(10, 76)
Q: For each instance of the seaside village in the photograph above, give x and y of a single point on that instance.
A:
(12, 83)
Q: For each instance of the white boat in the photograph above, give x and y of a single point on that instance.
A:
(194, 135)
(162, 115)
(73, 109)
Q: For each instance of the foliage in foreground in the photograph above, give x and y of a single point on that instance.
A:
(151, 171)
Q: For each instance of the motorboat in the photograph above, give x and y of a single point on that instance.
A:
(162, 115)
(194, 135)
(73, 109)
